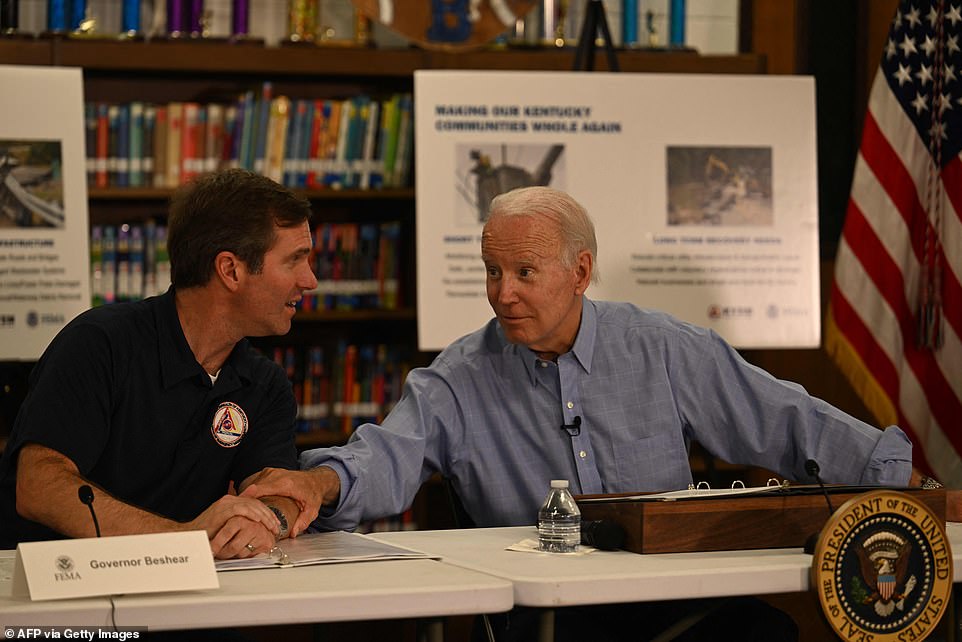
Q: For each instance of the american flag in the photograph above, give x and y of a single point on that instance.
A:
(895, 314)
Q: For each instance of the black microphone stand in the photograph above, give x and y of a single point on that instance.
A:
(86, 495)
(812, 468)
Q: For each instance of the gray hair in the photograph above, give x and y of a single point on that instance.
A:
(575, 226)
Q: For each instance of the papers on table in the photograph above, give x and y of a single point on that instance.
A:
(323, 548)
(712, 492)
(688, 493)
(704, 492)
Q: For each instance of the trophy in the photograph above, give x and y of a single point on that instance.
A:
(629, 23)
(57, 19)
(177, 19)
(10, 20)
(198, 21)
(302, 21)
(130, 27)
(240, 24)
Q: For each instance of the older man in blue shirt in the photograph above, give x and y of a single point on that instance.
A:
(634, 387)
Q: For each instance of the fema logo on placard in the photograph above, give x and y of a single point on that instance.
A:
(33, 318)
(882, 568)
(65, 569)
(229, 424)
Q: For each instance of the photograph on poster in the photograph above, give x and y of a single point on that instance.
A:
(720, 186)
(31, 184)
(484, 170)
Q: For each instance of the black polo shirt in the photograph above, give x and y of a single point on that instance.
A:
(119, 392)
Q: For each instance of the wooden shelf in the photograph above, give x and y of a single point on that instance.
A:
(211, 57)
(164, 193)
(190, 58)
(661, 61)
(25, 51)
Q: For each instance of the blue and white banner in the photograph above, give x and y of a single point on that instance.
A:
(44, 258)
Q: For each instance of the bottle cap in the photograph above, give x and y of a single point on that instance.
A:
(559, 483)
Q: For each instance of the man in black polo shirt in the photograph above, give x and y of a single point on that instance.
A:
(160, 404)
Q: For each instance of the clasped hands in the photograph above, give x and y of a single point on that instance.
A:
(241, 526)
(238, 526)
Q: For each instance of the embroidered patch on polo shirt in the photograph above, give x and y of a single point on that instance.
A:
(229, 425)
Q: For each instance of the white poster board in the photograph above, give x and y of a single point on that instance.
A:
(44, 258)
(703, 191)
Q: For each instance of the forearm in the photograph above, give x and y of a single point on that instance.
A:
(47, 493)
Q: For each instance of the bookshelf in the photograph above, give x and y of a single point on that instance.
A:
(161, 71)
(171, 59)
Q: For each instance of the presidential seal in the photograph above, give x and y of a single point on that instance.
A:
(229, 424)
(882, 568)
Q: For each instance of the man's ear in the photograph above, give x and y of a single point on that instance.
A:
(582, 270)
(229, 269)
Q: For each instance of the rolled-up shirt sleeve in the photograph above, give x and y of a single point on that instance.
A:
(328, 515)
(890, 463)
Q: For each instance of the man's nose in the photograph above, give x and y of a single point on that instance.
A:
(308, 279)
(507, 290)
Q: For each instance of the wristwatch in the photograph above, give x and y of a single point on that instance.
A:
(930, 482)
(283, 520)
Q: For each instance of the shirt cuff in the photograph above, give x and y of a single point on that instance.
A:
(890, 463)
(347, 481)
(309, 460)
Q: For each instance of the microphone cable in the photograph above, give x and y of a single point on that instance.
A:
(86, 495)
(812, 468)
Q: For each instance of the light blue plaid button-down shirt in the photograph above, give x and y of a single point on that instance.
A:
(488, 414)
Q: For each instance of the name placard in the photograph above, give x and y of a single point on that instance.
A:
(114, 565)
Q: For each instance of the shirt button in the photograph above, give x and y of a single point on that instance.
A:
(543, 364)
(583, 454)
(570, 405)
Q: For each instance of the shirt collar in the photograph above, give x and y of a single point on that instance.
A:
(582, 350)
(177, 361)
(584, 347)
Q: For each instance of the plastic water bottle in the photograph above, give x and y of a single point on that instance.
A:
(559, 520)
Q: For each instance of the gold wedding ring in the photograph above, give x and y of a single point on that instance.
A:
(250, 547)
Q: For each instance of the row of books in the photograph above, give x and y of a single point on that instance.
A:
(128, 262)
(357, 266)
(353, 143)
(339, 389)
